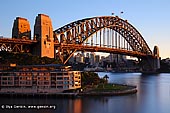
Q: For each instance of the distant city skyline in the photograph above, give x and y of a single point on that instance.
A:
(150, 18)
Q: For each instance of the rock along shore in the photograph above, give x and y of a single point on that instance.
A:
(110, 93)
(129, 90)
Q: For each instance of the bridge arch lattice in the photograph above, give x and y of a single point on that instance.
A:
(73, 37)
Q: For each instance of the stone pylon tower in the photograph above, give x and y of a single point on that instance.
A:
(21, 28)
(157, 58)
(43, 33)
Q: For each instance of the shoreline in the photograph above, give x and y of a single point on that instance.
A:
(129, 90)
(113, 93)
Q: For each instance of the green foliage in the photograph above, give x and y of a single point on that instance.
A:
(90, 78)
(24, 59)
(111, 87)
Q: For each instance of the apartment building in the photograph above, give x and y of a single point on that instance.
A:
(50, 78)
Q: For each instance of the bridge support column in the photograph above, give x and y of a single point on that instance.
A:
(156, 60)
(156, 63)
(151, 63)
(21, 29)
(43, 33)
(146, 64)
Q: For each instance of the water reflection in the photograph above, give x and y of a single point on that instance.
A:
(153, 90)
(153, 96)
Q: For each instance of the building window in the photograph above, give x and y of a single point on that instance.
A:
(22, 82)
(66, 78)
(40, 83)
(60, 87)
(59, 78)
(66, 87)
(29, 78)
(59, 82)
(41, 74)
(28, 82)
(53, 86)
(59, 74)
(4, 82)
(4, 78)
(10, 83)
(53, 78)
(53, 74)
(35, 74)
(65, 73)
(66, 82)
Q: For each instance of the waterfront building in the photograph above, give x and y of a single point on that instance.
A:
(49, 78)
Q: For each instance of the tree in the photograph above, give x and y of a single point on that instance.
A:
(89, 78)
(106, 77)
(25, 59)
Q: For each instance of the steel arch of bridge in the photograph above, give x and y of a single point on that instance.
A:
(71, 37)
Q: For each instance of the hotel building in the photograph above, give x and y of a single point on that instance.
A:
(51, 78)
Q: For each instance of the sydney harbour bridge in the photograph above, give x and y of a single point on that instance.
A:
(109, 34)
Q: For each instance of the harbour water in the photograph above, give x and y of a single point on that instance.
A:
(153, 96)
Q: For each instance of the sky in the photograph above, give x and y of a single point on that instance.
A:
(150, 17)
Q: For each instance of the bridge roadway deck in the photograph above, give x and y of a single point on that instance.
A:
(89, 48)
(17, 41)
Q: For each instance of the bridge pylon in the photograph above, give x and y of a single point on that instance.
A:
(109, 34)
(156, 60)
(151, 63)
(21, 29)
(43, 33)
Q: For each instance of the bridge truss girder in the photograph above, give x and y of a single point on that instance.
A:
(16, 45)
(78, 32)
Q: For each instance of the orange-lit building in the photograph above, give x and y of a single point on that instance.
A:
(51, 78)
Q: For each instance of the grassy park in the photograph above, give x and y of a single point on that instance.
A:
(110, 87)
